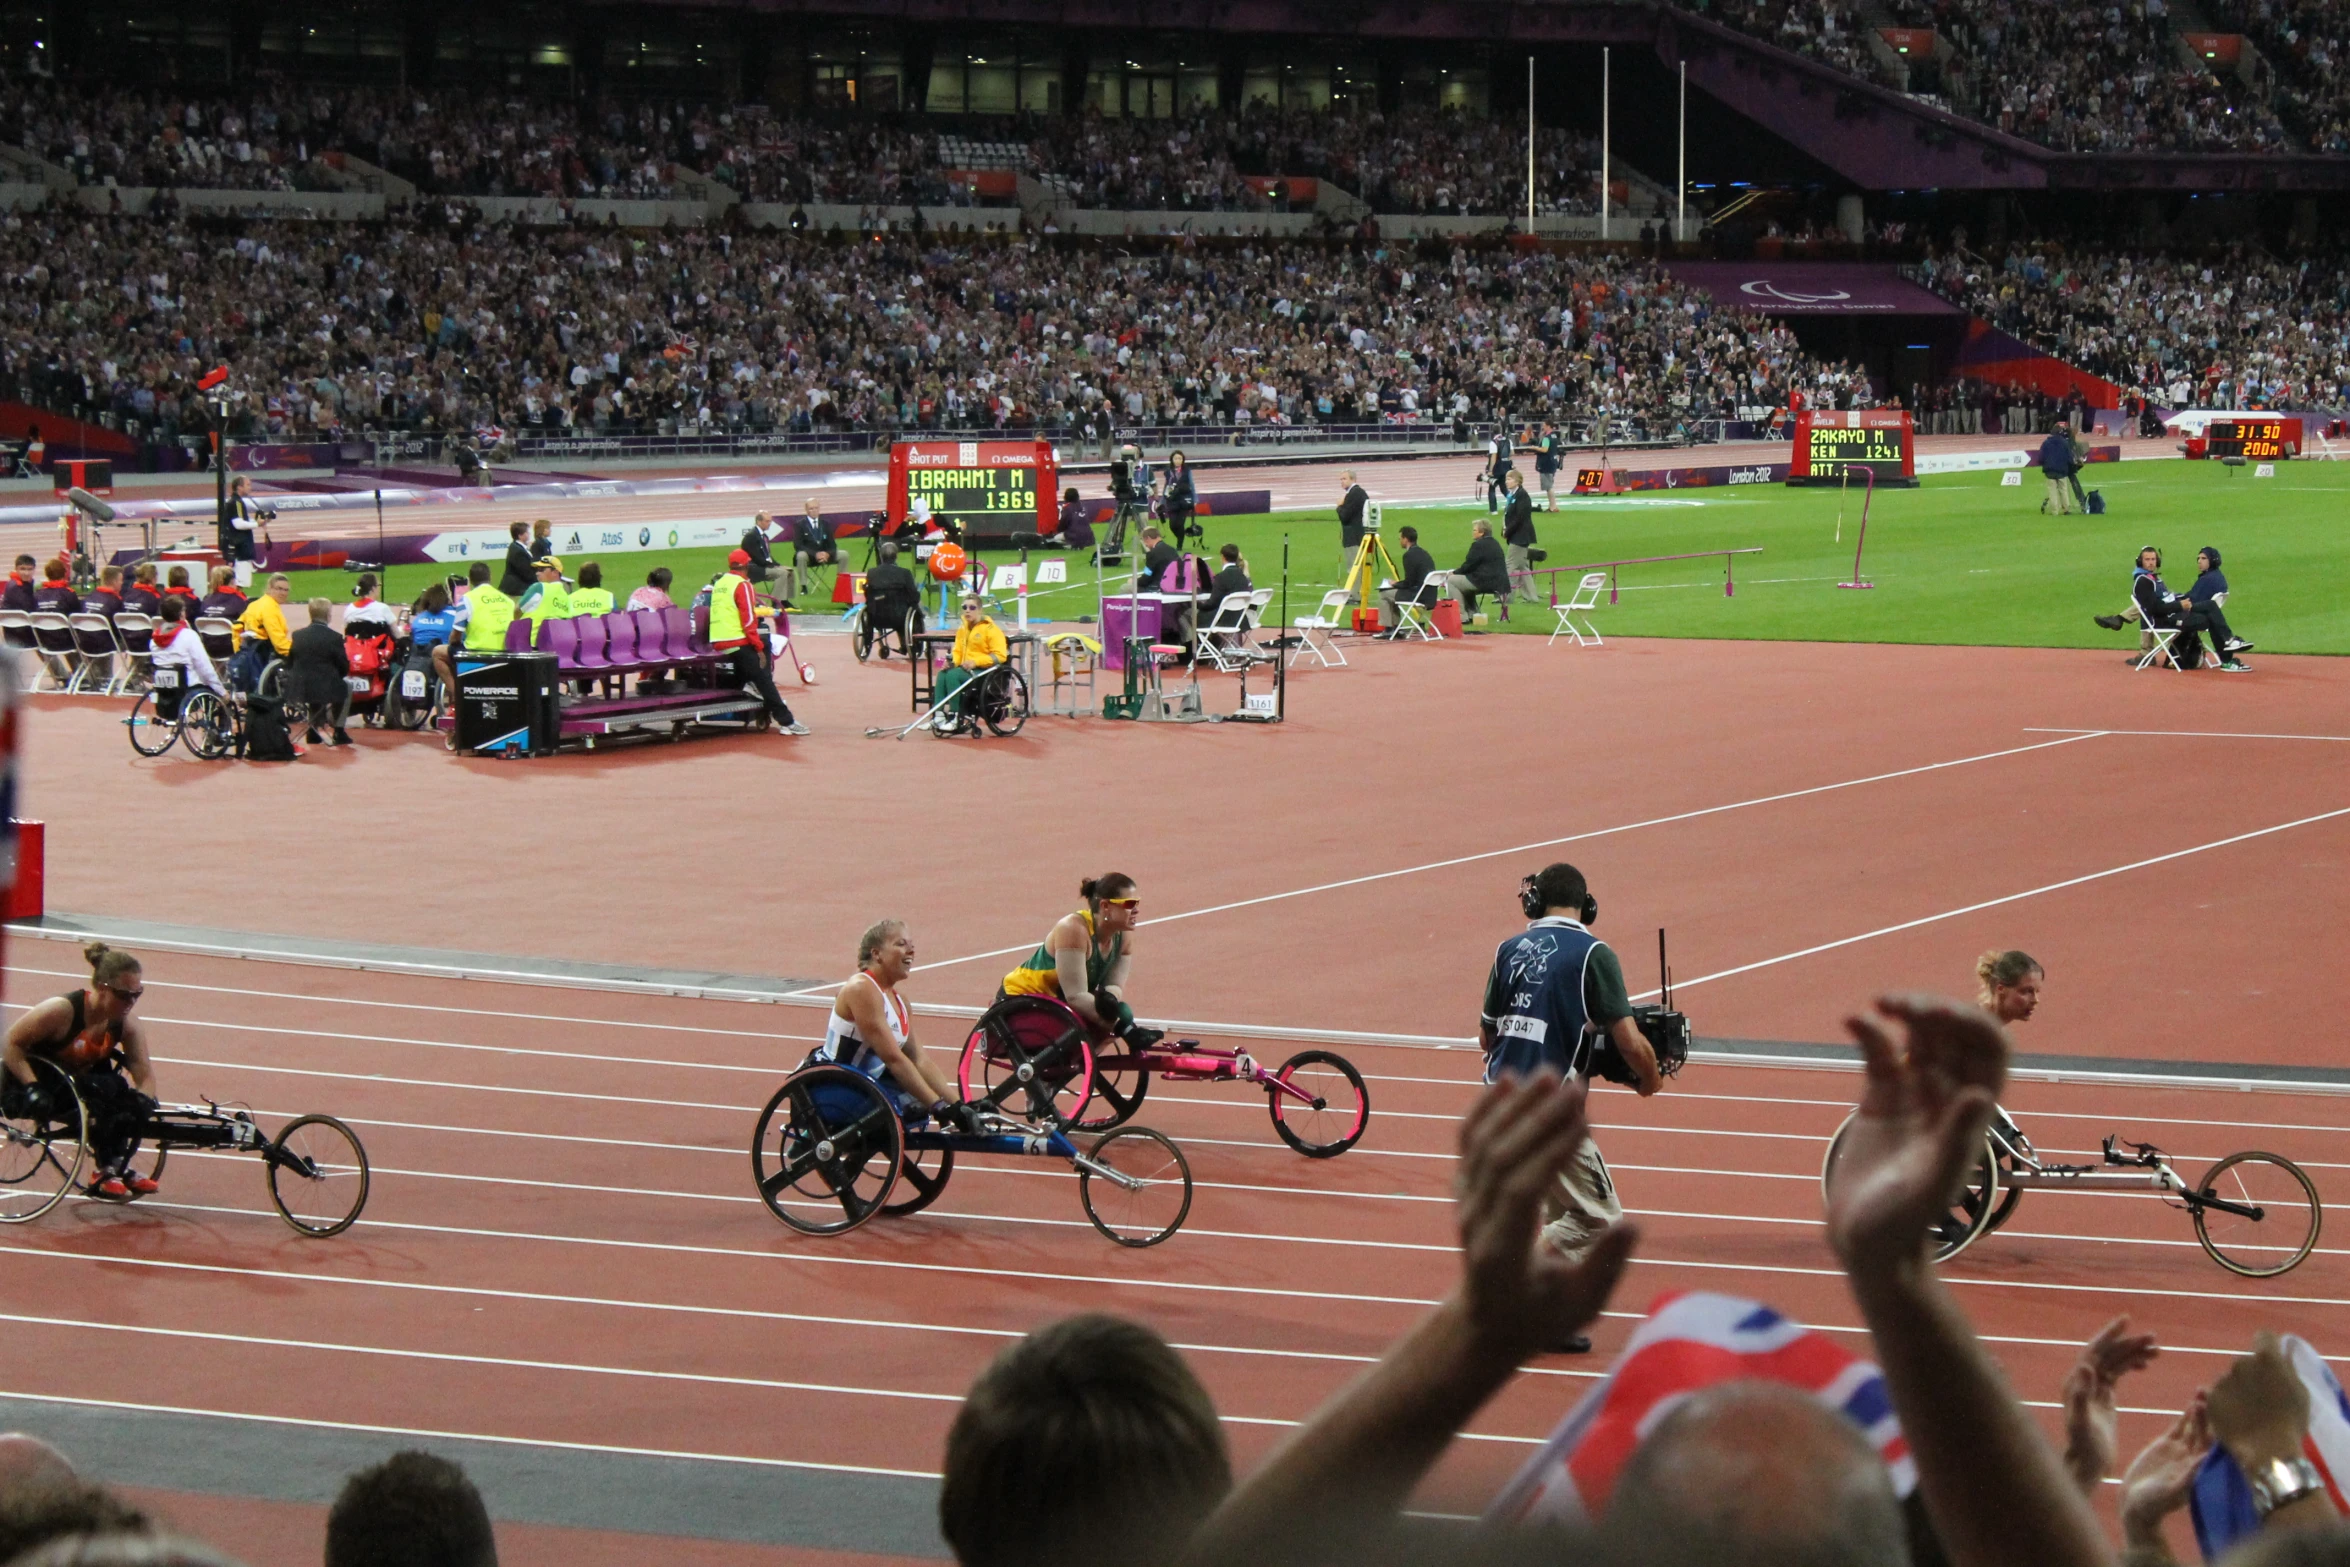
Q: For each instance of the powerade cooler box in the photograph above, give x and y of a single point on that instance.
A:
(506, 704)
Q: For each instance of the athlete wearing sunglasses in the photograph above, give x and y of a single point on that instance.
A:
(91, 1036)
(1086, 958)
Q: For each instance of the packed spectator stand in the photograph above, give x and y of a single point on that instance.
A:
(2307, 43)
(587, 328)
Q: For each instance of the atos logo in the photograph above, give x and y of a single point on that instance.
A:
(612, 541)
(1764, 288)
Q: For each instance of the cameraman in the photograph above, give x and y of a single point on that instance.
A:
(1130, 479)
(1554, 1001)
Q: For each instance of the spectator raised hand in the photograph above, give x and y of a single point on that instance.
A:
(2089, 1423)
(2259, 1412)
(2157, 1482)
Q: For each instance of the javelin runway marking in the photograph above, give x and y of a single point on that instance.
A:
(1525, 848)
(2013, 897)
(2188, 734)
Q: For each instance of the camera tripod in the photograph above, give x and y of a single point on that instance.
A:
(1362, 578)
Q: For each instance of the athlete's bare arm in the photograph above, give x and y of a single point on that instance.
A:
(1070, 942)
(861, 1000)
(45, 1021)
(134, 1056)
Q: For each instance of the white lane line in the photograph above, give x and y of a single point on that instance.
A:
(2186, 734)
(465, 1436)
(1527, 848)
(2013, 897)
(581, 1368)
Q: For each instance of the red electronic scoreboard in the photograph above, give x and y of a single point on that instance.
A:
(2255, 439)
(990, 489)
(1831, 447)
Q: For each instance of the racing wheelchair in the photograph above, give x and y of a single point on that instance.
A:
(834, 1144)
(315, 1168)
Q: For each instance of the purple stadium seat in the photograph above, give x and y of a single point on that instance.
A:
(561, 638)
(620, 628)
(518, 632)
(701, 628)
(594, 643)
(677, 633)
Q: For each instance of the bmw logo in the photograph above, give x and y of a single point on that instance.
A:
(644, 538)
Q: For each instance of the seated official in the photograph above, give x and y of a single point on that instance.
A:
(175, 585)
(176, 646)
(548, 599)
(317, 673)
(262, 634)
(655, 593)
(980, 646)
(140, 595)
(55, 596)
(2204, 597)
(1072, 530)
(590, 597)
(17, 593)
(1483, 571)
(1157, 556)
(367, 605)
(812, 545)
(1230, 578)
(106, 598)
(1416, 565)
(892, 601)
(758, 542)
(2156, 606)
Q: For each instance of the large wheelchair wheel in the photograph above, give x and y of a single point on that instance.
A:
(1331, 1118)
(1136, 1186)
(1005, 708)
(922, 1173)
(861, 635)
(40, 1156)
(152, 734)
(1970, 1213)
(1121, 1076)
(210, 728)
(403, 712)
(317, 1175)
(2275, 1220)
(1029, 1056)
(827, 1151)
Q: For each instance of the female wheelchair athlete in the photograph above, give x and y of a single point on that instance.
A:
(996, 697)
(834, 1143)
(315, 1168)
(1316, 1098)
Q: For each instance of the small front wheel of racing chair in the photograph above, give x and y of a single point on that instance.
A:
(43, 1142)
(828, 1150)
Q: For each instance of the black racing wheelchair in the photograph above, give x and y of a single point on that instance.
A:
(835, 1145)
(315, 1168)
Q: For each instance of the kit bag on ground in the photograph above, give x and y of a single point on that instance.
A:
(266, 737)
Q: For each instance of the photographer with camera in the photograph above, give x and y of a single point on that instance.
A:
(243, 530)
(1130, 479)
(1555, 1003)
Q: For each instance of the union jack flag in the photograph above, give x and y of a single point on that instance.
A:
(2221, 1498)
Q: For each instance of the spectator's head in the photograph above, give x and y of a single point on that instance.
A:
(517, 531)
(1087, 1440)
(1069, 496)
(550, 568)
(2010, 984)
(53, 569)
(1510, 480)
(1481, 528)
(1758, 1473)
(1151, 536)
(809, 508)
(145, 575)
(364, 589)
(2207, 558)
(412, 1510)
(1230, 554)
(888, 552)
(659, 578)
(541, 527)
(240, 485)
(2150, 559)
(1174, 459)
(109, 579)
(1347, 478)
(177, 578)
(222, 578)
(27, 1461)
(63, 1518)
(280, 588)
(24, 567)
(173, 611)
(322, 611)
(1408, 535)
(478, 574)
(115, 982)
(591, 575)
(435, 599)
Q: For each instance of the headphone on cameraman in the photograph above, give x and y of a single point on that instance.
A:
(1567, 889)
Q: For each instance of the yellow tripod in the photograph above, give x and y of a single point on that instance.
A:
(1362, 579)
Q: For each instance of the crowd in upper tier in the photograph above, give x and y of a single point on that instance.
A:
(419, 325)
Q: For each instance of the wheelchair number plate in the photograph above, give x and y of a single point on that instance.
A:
(167, 680)
(412, 685)
(357, 682)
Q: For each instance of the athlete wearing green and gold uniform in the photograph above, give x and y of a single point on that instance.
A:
(1085, 959)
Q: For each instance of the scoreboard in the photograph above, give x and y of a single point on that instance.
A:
(1831, 447)
(2259, 440)
(991, 490)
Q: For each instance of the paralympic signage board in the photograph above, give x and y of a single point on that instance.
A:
(611, 538)
(1812, 288)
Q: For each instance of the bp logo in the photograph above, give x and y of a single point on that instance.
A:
(644, 538)
(673, 538)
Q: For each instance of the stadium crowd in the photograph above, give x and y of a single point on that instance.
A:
(1092, 1439)
(2238, 330)
(423, 326)
(2307, 43)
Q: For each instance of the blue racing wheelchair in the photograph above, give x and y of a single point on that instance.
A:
(835, 1145)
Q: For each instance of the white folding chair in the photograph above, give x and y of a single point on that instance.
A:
(1412, 615)
(93, 641)
(219, 636)
(61, 653)
(1328, 618)
(1220, 640)
(136, 635)
(1582, 602)
(2154, 643)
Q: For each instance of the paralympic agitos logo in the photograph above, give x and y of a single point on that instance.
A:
(1764, 288)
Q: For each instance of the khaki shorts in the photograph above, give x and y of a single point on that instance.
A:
(1581, 1205)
